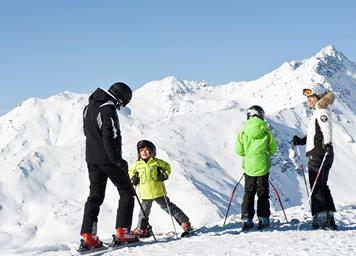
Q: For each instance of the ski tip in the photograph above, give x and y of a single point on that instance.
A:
(92, 251)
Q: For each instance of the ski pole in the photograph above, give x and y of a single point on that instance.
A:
(279, 199)
(312, 190)
(138, 200)
(302, 170)
(169, 209)
(232, 195)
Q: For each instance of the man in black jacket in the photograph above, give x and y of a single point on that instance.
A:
(104, 160)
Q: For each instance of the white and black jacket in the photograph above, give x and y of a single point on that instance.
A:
(320, 127)
(101, 128)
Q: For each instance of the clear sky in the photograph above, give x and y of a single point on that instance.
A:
(47, 47)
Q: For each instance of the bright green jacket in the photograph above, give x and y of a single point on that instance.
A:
(150, 187)
(256, 144)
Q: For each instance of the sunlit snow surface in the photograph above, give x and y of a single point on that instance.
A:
(44, 183)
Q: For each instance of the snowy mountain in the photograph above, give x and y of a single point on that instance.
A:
(44, 181)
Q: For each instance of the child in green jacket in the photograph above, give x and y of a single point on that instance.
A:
(149, 173)
(256, 144)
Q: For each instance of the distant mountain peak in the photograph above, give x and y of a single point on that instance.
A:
(171, 85)
(329, 50)
(329, 61)
(171, 79)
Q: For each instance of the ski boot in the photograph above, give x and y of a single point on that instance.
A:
(187, 229)
(247, 224)
(124, 236)
(320, 220)
(89, 242)
(330, 222)
(142, 233)
(186, 226)
(263, 222)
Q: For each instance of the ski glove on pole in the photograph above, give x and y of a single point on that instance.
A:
(122, 164)
(328, 147)
(161, 175)
(297, 140)
(135, 179)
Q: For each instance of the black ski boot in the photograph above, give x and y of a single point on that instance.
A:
(263, 222)
(330, 223)
(247, 224)
(320, 220)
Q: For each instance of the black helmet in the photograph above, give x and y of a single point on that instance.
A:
(148, 144)
(121, 92)
(255, 110)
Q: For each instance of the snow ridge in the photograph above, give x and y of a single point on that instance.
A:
(193, 125)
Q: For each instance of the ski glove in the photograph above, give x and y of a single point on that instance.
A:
(135, 179)
(122, 164)
(297, 140)
(328, 147)
(161, 174)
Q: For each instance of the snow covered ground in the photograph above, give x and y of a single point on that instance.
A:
(281, 239)
(44, 181)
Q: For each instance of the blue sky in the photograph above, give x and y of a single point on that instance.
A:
(47, 47)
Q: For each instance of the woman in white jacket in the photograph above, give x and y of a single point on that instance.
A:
(319, 144)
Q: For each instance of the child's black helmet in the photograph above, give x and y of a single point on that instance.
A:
(122, 93)
(255, 110)
(148, 144)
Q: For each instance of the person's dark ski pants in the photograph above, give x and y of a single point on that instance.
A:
(98, 176)
(256, 185)
(176, 212)
(321, 199)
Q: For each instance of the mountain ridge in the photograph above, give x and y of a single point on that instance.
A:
(193, 125)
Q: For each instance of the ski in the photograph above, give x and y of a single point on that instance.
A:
(92, 251)
(273, 224)
(108, 248)
(172, 234)
(187, 233)
(294, 221)
(192, 232)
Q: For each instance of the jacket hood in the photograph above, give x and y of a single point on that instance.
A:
(326, 100)
(255, 128)
(99, 97)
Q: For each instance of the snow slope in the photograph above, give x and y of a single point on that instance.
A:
(44, 181)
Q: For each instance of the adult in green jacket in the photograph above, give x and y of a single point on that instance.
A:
(256, 144)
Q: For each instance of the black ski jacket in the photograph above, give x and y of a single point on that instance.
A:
(101, 129)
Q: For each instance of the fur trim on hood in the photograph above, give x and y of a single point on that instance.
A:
(326, 100)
